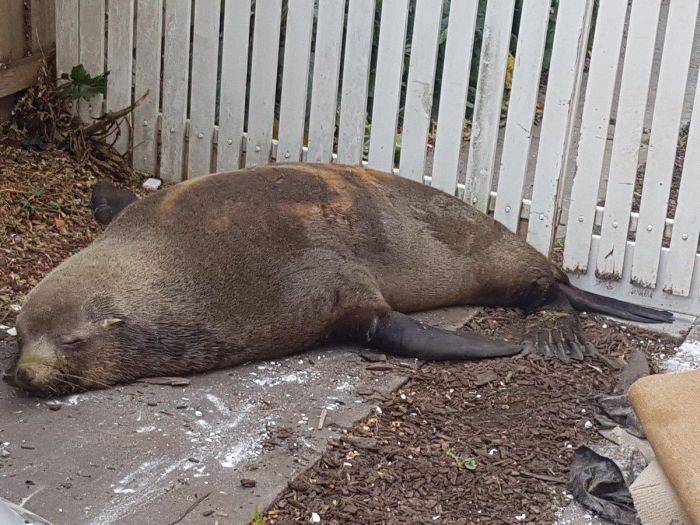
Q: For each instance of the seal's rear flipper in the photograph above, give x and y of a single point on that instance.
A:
(107, 201)
(591, 302)
(400, 335)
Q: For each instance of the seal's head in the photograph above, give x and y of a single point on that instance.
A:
(67, 341)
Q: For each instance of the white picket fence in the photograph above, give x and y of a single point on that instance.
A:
(179, 51)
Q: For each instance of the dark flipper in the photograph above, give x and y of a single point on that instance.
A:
(400, 335)
(107, 201)
(591, 302)
(557, 333)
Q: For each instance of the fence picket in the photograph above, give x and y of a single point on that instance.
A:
(419, 89)
(92, 52)
(263, 81)
(147, 79)
(353, 101)
(387, 83)
(295, 80)
(673, 75)
(521, 111)
(120, 47)
(686, 226)
(453, 94)
(205, 55)
(324, 89)
(67, 35)
(488, 102)
(234, 68)
(594, 133)
(569, 49)
(631, 108)
(175, 86)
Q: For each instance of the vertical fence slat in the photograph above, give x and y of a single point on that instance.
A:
(67, 36)
(631, 108)
(205, 55)
(92, 51)
(295, 80)
(234, 69)
(488, 102)
(324, 90)
(569, 48)
(353, 102)
(419, 89)
(594, 133)
(686, 226)
(120, 48)
(43, 20)
(147, 78)
(263, 81)
(521, 111)
(453, 94)
(387, 83)
(673, 76)
(175, 86)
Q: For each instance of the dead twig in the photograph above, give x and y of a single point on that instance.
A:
(191, 508)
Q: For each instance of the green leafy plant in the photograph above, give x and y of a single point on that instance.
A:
(80, 84)
(468, 463)
(258, 518)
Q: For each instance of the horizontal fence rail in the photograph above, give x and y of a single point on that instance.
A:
(561, 118)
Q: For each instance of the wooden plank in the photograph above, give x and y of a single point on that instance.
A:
(21, 74)
(147, 78)
(263, 81)
(419, 89)
(686, 226)
(488, 102)
(120, 48)
(569, 48)
(594, 133)
(234, 68)
(324, 90)
(673, 76)
(92, 52)
(625, 290)
(11, 30)
(205, 57)
(176, 29)
(67, 37)
(43, 22)
(356, 62)
(387, 84)
(634, 90)
(453, 94)
(521, 111)
(295, 80)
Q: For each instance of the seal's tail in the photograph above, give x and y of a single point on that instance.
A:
(591, 302)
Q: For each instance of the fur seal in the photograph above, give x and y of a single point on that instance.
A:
(268, 261)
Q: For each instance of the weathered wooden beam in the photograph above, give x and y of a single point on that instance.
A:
(21, 74)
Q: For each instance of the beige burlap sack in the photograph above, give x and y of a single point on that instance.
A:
(668, 406)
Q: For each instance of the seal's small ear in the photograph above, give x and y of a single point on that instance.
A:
(111, 322)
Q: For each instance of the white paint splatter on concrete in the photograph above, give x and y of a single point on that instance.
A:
(686, 359)
(301, 377)
(219, 404)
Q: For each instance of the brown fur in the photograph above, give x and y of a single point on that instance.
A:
(265, 262)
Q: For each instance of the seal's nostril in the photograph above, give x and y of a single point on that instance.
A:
(24, 375)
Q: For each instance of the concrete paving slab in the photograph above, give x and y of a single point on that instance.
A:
(144, 453)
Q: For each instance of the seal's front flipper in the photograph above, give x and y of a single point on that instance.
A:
(557, 333)
(107, 201)
(403, 336)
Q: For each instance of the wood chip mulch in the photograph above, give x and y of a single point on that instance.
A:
(45, 217)
(462, 443)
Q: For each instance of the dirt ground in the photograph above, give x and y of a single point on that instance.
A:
(485, 442)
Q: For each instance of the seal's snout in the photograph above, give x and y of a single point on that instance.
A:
(24, 376)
